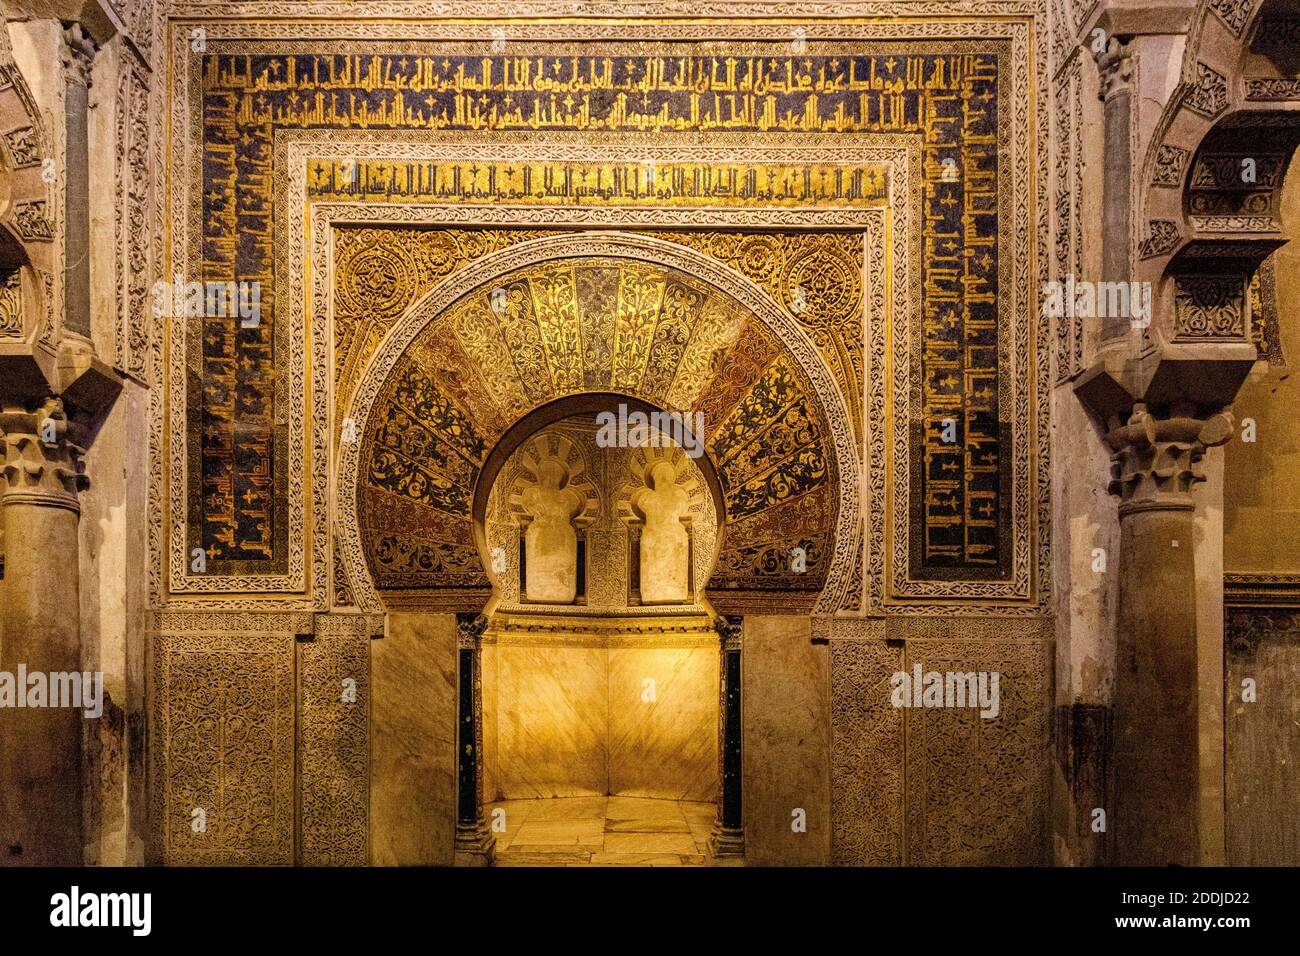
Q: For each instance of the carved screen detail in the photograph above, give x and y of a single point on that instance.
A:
(224, 747)
(334, 744)
(605, 484)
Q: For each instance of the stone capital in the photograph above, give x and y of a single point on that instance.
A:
(42, 464)
(1156, 459)
(1115, 66)
(469, 631)
(78, 53)
(728, 627)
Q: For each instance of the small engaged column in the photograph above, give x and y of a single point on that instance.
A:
(474, 843)
(727, 843)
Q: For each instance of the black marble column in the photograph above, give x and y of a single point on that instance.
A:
(474, 844)
(728, 838)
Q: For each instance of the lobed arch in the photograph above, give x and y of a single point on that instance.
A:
(1195, 205)
(603, 314)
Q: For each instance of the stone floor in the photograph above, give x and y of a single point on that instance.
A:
(603, 831)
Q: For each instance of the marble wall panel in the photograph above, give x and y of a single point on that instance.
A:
(785, 708)
(570, 714)
(552, 721)
(413, 741)
(668, 746)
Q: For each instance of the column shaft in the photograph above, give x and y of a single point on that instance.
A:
(1156, 818)
(728, 838)
(474, 844)
(40, 747)
(1156, 733)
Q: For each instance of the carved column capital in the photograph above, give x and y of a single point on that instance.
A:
(729, 630)
(1115, 65)
(78, 53)
(469, 631)
(42, 464)
(1156, 460)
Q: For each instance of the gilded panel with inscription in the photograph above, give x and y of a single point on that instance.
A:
(959, 448)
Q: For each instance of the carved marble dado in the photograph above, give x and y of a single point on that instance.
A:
(978, 790)
(940, 786)
(223, 738)
(867, 767)
(260, 752)
(333, 745)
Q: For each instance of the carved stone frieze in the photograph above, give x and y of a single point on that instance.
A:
(1233, 13)
(12, 321)
(24, 146)
(1209, 94)
(1170, 163)
(1272, 88)
(1162, 236)
(1209, 307)
(32, 222)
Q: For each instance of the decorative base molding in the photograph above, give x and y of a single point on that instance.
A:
(475, 846)
(727, 845)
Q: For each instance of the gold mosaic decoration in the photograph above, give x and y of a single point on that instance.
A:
(815, 276)
(594, 324)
